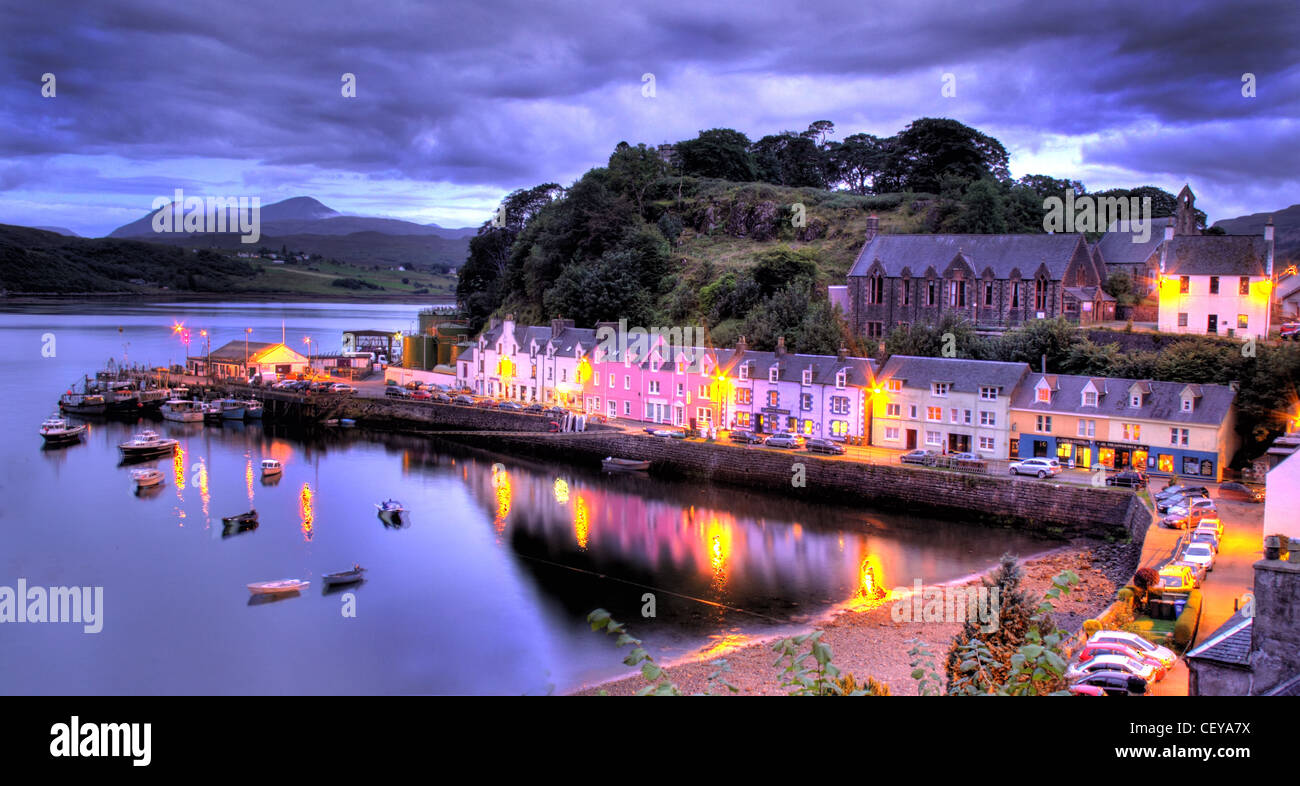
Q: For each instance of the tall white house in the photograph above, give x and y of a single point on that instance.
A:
(1215, 284)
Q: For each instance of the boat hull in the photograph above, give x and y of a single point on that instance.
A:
(625, 465)
(63, 437)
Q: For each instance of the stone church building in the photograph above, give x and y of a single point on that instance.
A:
(994, 281)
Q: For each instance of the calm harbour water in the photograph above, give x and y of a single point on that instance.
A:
(485, 591)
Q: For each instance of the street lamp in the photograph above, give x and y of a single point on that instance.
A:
(247, 332)
(307, 340)
(207, 353)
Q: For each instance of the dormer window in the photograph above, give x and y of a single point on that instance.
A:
(1135, 400)
(744, 371)
(807, 376)
(1043, 395)
(940, 389)
(1089, 398)
(841, 379)
(772, 372)
(1187, 403)
(988, 393)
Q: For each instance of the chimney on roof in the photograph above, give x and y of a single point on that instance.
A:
(843, 354)
(780, 346)
(741, 346)
(1044, 362)
(1268, 241)
(558, 325)
(1169, 231)
(493, 322)
(873, 227)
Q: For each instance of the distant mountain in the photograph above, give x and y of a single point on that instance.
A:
(1286, 231)
(303, 216)
(58, 231)
(365, 249)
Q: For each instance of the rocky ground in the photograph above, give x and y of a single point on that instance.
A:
(868, 642)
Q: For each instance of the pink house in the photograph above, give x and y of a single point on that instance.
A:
(655, 382)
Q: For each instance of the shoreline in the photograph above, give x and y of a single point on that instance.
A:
(219, 297)
(866, 640)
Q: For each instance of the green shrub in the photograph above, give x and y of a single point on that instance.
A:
(1185, 625)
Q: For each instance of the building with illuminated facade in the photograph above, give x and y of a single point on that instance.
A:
(528, 364)
(1165, 428)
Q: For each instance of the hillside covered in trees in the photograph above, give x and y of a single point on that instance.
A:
(740, 236)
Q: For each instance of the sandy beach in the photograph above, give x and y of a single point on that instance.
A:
(866, 641)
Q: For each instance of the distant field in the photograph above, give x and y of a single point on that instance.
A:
(318, 277)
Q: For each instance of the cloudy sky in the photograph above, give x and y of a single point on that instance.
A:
(459, 102)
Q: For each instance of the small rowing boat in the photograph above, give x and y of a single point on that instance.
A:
(242, 518)
(344, 577)
(277, 587)
(144, 478)
(624, 465)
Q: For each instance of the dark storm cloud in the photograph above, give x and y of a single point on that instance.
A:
(510, 94)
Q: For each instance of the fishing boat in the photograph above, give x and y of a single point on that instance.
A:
(183, 410)
(122, 398)
(144, 478)
(277, 587)
(612, 464)
(82, 403)
(344, 577)
(347, 422)
(55, 430)
(390, 511)
(147, 443)
(211, 413)
(252, 410)
(231, 409)
(330, 422)
(271, 467)
(152, 399)
(242, 518)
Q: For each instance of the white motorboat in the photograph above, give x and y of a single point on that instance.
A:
(183, 410)
(271, 467)
(390, 511)
(147, 443)
(277, 587)
(144, 478)
(56, 430)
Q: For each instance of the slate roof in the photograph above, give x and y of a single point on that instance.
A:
(1216, 255)
(1163, 402)
(234, 350)
(965, 376)
(1088, 293)
(1003, 254)
(1229, 644)
(1119, 247)
(861, 372)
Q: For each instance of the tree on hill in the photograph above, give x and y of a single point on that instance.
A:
(721, 153)
(858, 162)
(634, 170)
(929, 148)
(790, 159)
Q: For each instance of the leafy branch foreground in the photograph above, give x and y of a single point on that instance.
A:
(1024, 656)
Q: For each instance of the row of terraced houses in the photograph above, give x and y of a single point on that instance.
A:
(993, 409)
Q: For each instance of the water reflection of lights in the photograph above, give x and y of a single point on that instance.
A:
(561, 491)
(201, 480)
(178, 469)
(581, 522)
(722, 644)
(871, 590)
(248, 480)
(501, 482)
(717, 538)
(305, 511)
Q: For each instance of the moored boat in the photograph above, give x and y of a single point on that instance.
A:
(82, 403)
(183, 410)
(252, 410)
(390, 511)
(242, 518)
(271, 467)
(144, 478)
(231, 409)
(344, 577)
(56, 430)
(277, 587)
(624, 465)
(147, 443)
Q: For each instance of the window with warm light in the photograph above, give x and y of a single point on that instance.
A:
(934, 413)
(1131, 431)
(1043, 395)
(744, 395)
(1243, 321)
(894, 385)
(1184, 284)
(1243, 285)
(773, 398)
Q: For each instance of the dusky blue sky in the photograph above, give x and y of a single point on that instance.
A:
(459, 102)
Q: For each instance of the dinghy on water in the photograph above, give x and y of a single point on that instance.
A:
(271, 467)
(243, 518)
(344, 577)
(144, 478)
(277, 587)
(612, 464)
(390, 511)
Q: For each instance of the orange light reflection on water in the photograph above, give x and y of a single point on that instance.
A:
(581, 521)
(305, 511)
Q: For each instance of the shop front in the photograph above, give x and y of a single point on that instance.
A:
(1119, 456)
(1075, 452)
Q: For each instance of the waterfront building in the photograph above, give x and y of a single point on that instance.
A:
(654, 380)
(528, 364)
(812, 395)
(949, 405)
(244, 360)
(1166, 428)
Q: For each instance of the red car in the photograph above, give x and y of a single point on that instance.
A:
(422, 395)
(1291, 331)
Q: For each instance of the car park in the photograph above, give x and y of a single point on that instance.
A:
(926, 457)
(1111, 662)
(1113, 683)
(1163, 654)
(1041, 467)
(745, 436)
(818, 445)
(1127, 478)
(1240, 492)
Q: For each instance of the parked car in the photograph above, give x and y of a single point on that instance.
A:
(463, 399)
(1184, 502)
(1042, 467)
(1113, 683)
(745, 436)
(396, 392)
(919, 456)
(1177, 578)
(818, 445)
(513, 406)
(535, 407)
(1212, 524)
(1205, 536)
(421, 395)
(1190, 506)
(1127, 478)
(1290, 331)
(1199, 554)
(1090, 651)
(1240, 491)
(964, 457)
(1163, 654)
(341, 387)
(782, 441)
(1174, 491)
(1111, 662)
(442, 398)
(485, 403)
(1190, 519)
